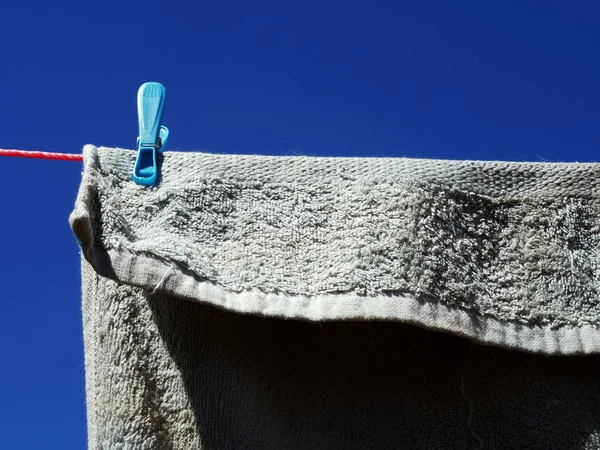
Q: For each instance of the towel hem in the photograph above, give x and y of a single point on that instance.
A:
(154, 275)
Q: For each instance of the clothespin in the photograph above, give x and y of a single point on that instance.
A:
(153, 136)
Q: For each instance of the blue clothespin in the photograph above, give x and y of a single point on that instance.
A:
(153, 136)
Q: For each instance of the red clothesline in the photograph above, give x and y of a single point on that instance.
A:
(42, 155)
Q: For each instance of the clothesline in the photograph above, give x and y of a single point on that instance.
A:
(42, 155)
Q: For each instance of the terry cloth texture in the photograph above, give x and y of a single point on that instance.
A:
(255, 302)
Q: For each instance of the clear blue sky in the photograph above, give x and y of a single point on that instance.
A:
(510, 80)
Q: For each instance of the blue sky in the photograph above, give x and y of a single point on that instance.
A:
(511, 80)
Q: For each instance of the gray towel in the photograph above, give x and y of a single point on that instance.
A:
(255, 302)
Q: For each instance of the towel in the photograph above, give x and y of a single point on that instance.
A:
(270, 302)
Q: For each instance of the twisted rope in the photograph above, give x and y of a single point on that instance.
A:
(42, 155)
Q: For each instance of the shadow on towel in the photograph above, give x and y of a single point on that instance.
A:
(264, 383)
